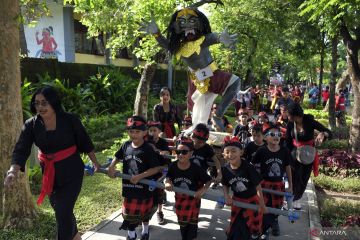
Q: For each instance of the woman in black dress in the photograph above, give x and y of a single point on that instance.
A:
(305, 125)
(60, 137)
(166, 113)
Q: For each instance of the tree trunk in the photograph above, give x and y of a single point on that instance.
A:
(18, 209)
(334, 61)
(322, 56)
(142, 92)
(249, 78)
(340, 84)
(344, 79)
(352, 50)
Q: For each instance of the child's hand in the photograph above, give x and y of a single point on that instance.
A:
(97, 166)
(135, 179)
(199, 193)
(263, 209)
(289, 190)
(218, 178)
(169, 187)
(164, 152)
(228, 200)
(111, 172)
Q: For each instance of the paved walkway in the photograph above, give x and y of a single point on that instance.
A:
(212, 225)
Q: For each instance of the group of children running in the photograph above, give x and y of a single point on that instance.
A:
(246, 170)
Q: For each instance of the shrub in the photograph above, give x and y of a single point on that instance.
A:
(35, 179)
(104, 130)
(339, 213)
(338, 184)
(335, 144)
(340, 163)
(109, 91)
(27, 89)
(318, 114)
(110, 152)
(342, 132)
(112, 91)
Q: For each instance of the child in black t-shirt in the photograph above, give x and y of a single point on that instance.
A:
(203, 153)
(255, 142)
(242, 130)
(140, 161)
(244, 181)
(185, 174)
(162, 148)
(274, 162)
(186, 123)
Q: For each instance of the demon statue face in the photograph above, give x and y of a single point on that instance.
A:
(187, 25)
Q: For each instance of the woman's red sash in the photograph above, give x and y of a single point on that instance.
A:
(49, 170)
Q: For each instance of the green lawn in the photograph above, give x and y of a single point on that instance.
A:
(334, 212)
(100, 196)
(351, 185)
(335, 207)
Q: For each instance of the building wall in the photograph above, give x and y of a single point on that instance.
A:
(69, 36)
(56, 22)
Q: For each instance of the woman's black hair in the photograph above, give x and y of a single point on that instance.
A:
(294, 109)
(163, 89)
(51, 96)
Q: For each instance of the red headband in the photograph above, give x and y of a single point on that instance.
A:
(131, 124)
(185, 141)
(200, 134)
(232, 141)
(154, 124)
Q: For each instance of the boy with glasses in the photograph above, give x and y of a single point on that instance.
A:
(274, 161)
(187, 175)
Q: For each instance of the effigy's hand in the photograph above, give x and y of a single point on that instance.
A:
(227, 39)
(149, 27)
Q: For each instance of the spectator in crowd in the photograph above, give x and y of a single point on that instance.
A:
(340, 109)
(325, 96)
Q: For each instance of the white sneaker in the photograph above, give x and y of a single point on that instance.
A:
(297, 205)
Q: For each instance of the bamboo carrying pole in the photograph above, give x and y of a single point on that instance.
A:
(292, 215)
(289, 197)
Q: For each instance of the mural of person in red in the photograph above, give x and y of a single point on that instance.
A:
(48, 42)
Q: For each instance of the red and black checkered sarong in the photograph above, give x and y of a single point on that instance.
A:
(187, 209)
(273, 200)
(253, 218)
(135, 210)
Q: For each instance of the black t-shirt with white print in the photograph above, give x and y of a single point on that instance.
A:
(242, 181)
(202, 156)
(191, 179)
(272, 164)
(136, 161)
(162, 145)
(250, 150)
